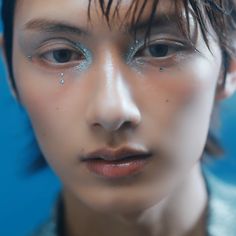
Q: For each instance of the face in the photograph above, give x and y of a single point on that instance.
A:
(96, 94)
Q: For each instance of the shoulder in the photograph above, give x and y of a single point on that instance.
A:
(51, 226)
(222, 207)
(47, 229)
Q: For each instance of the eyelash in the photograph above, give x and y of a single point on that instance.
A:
(75, 53)
(78, 55)
(166, 47)
(62, 57)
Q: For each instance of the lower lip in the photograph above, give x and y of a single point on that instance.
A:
(116, 169)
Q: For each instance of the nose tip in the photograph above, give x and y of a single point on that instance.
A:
(114, 120)
(112, 114)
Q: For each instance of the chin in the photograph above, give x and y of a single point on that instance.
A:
(123, 204)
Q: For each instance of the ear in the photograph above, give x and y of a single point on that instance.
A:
(1, 41)
(4, 60)
(3, 51)
(228, 89)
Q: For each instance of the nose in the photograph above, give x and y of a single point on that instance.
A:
(112, 106)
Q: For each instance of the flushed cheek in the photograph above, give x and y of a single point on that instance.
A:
(56, 112)
(163, 98)
(179, 105)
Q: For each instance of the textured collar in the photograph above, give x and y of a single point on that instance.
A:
(222, 206)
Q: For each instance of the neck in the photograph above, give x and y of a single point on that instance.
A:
(180, 214)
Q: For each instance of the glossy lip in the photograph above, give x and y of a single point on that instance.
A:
(116, 163)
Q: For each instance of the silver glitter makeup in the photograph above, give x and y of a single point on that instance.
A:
(83, 65)
(62, 81)
(137, 44)
(82, 48)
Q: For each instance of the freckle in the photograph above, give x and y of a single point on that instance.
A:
(167, 101)
(57, 108)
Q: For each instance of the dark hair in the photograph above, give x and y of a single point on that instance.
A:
(220, 13)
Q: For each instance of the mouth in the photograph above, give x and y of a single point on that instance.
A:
(122, 162)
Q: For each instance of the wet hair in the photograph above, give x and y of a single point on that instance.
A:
(220, 13)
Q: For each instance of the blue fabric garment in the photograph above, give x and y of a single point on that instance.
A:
(221, 210)
(222, 207)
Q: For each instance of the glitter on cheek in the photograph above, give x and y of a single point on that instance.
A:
(82, 66)
(62, 81)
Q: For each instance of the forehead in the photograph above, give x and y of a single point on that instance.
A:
(76, 11)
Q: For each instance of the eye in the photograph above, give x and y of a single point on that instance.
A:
(158, 50)
(162, 50)
(62, 56)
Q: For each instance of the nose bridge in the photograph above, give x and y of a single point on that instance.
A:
(113, 86)
(112, 105)
(111, 79)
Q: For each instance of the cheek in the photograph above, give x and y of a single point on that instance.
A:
(178, 103)
(56, 111)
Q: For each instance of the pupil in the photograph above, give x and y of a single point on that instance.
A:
(160, 50)
(62, 56)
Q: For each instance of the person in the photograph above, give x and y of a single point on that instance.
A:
(121, 96)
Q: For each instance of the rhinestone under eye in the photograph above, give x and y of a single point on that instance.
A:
(62, 81)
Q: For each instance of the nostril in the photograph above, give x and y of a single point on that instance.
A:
(127, 125)
(96, 125)
(115, 125)
(113, 115)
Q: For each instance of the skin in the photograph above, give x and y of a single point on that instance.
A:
(114, 100)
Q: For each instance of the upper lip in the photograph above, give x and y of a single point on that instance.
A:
(109, 154)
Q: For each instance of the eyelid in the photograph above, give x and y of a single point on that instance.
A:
(169, 42)
(174, 45)
(61, 43)
(181, 50)
(54, 44)
(162, 39)
(47, 53)
(42, 55)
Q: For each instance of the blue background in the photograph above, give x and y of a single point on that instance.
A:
(25, 201)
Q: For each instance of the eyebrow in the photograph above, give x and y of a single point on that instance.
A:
(162, 19)
(54, 26)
